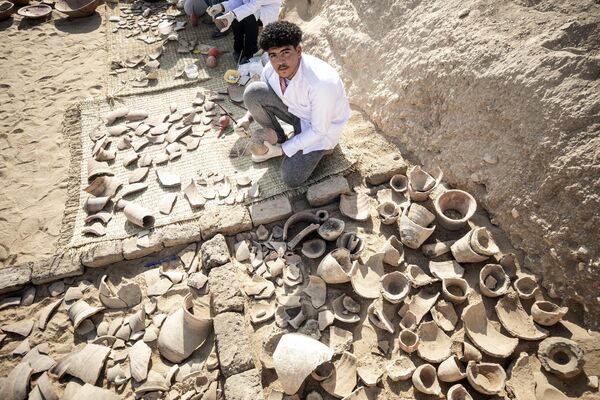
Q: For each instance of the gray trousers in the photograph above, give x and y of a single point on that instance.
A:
(265, 107)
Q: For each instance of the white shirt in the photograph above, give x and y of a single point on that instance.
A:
(265, 10)
(316, 95)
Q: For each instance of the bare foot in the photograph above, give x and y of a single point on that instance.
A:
(194, 19)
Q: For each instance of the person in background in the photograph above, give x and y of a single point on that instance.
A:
(196, 8)
(244, 17)
(302, 91)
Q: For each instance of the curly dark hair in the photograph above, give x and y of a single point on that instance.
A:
(279, 34)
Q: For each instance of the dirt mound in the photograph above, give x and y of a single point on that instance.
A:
(503, 96)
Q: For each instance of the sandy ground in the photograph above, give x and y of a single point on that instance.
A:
(43, 68)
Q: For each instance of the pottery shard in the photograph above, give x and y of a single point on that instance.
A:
(327, 191)
(224, 290)
(244, 386)
(60, 266)
(88, 363)
(139, 358)
(271, 210)
(131, 250)
(233, 345)
(14, 278)
(214, 252)
(385, 167)
(102, 254)
(16, 385)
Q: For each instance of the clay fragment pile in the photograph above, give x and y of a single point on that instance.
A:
(134, 136)
(337, 316)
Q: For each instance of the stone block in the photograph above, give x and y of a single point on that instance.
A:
(327, 191)
(244, 386)
(224, 288)
(227, 220)
(214, 252)
(271, 210)
(181, 233)
(102, 254)
(58, 267)
(233, 345)
(15, 277)
(385, 167)
(131, 250)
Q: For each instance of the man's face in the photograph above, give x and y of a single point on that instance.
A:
(285, 60)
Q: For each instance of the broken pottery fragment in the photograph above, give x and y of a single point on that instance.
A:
(436, 249)
(369, 374)
(136, 115)
(23, 348)
(419, 304)
(261, 311)
(105, 155)
(400, 369)
(139, 360)
(446, 269)
(117, 130)
(137, 176)
(418, 277)
(451, 370)
(493, 281)
(46, 313)
(129, 158)
(166, 203)
(138, 215)
(421, 183)
(96, 229)
(408, 341)
(355, 206)
(183, 332)
(394, 287)
(477, 245)
(316, 290)
(242, 251)
(133, 188)
(193, 195)
(378, 316)
(455, 290)
(341, 313)
(336, 266)
(97, 168)
(295, 357)
(560, 356)
(547, 313)
(458, 392)
(366, 277)
(168, 178)
(86, 364)
(444, 315)
(103, 217)
(44, 389)
(16, 385)
(342, 381)
(301, 235)
(325, 318)
(454, 208)
(314, 248)
(399, 183)
(323, 371)
(104, 186)
(95, 204)
(425, 380)
(526, 287)
(483, 334)
(486, 378)
(515, 319)
(331, 229)
(409, 320)
(115, 114)
(393, 251)
(116, 375)
(79, 312)
(412, 234)
(434, 344)
(353, 243)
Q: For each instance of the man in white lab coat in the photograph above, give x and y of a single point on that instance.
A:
(302, 91)
(244, 17)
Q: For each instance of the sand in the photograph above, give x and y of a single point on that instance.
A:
(44, 67)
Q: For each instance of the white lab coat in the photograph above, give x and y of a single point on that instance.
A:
(265, 10)
(316, 95)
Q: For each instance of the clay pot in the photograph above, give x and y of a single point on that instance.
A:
(412, 234)
(451, 370)
(343, 381)
(352, 242)
(515, 319)
(444, 315)
(400, 369)
(335, 267)
(97, 168)
(455, 290)
(493, 281)
(304, 216)
(464, 253)
(355, 206)
(483, 243)
(138, 215)
(399, 183)
(458, 392)
(394, 287)
(418, 277)
(388, 212)
(314, 248)
(486, 378)
(366, 278)
(425, 380)
(408, 340)
(562, 357)
(454, 208)
(331, 229)
(422, 183)
(393, 251)
(547, 313)
(80, 311)
(483, 334)
(526, 287)
(341, 312)
(434, 344)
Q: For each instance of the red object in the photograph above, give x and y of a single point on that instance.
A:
(224, 122)
(213, 51)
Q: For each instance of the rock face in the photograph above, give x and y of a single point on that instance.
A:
(224, 289)
(505, 99)
(214, 252)
(233, 345)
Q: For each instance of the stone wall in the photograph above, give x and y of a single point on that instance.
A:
(503, 96)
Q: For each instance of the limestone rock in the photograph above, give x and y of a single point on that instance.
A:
(327, 191)
(102, 254)
(271, 210)
(227, 220)
(233, 344)
(131, 250)
(214, 252)
(181, 233)
(386, 167)
(58, 267)
(244, 386)
(14, 278)
(224, 288)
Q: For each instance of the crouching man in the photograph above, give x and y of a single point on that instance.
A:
(302, 91)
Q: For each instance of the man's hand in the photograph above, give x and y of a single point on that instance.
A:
(214, 10)
(241, 128)
(224, 21)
